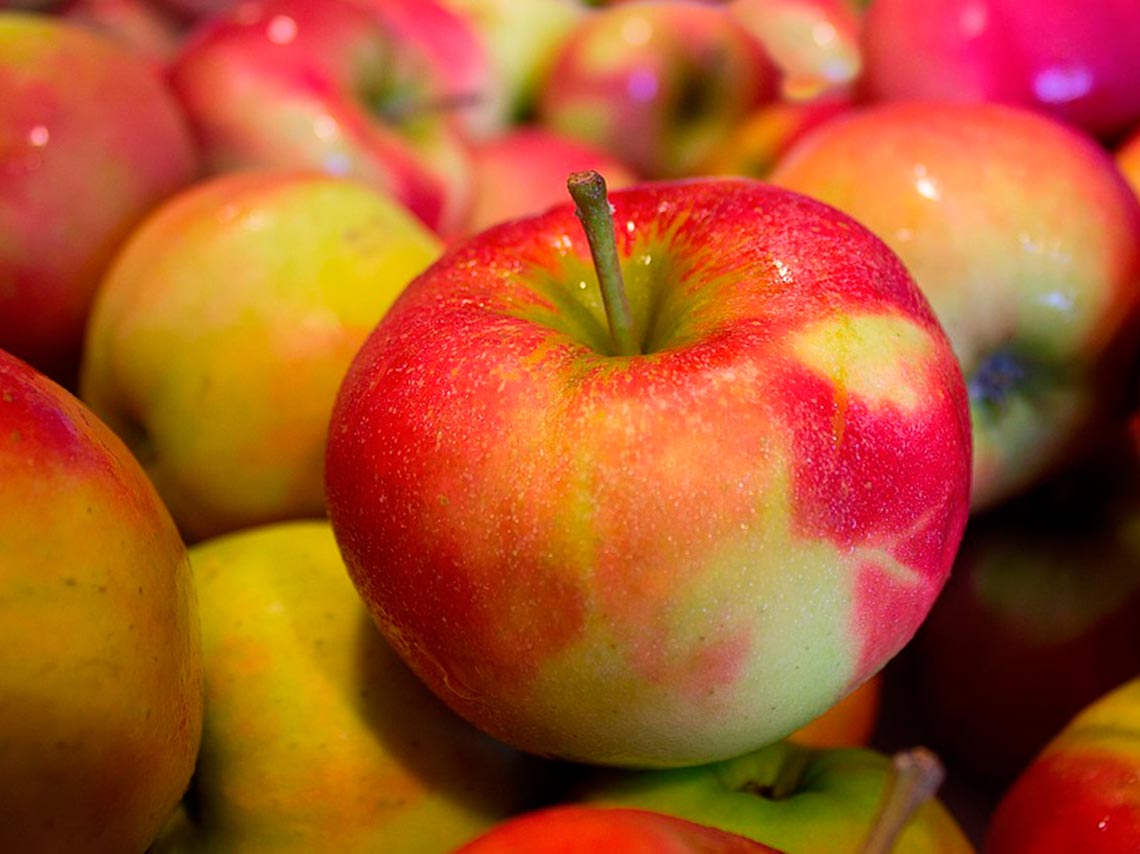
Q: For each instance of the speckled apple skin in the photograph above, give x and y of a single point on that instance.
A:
(100, 658)
(1082, 793)
(1025, 239)
(222, 331)
(78, 170)
(670, 558)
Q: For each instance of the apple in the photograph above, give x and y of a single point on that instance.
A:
(101, 691)
(1082, 793)
(1072, 59)
(1025, 239)
(1040, 617)
(799, 799)
(657, 84)
(324, 84)
(316, 736)
(222, 331)
(849, 723)
(1128, 160)
(669, 537)
(138, 24)
(574, 829)
(78, 170)
(523, 171)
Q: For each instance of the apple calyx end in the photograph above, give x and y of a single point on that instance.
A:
(588, 190)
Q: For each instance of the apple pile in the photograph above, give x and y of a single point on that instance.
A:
(551, 426)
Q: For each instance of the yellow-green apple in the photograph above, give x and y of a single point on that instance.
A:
(1041, 616)
(1025, 239)
(222, 331)
(523, 171)
(324, 84)
(100, 657)
(316, 736)
(522, 40)
(1082, 792)
(798, 799)
(573, 829)
(671, 537)
(1072, 59)
(78, 170)
(656, 84)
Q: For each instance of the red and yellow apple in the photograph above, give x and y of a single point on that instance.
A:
(668, 556)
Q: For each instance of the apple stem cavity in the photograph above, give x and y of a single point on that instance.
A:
(917, 775)
(588, 190)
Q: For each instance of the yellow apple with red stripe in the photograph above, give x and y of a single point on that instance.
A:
(676, 551)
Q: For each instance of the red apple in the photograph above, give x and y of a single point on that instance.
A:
(1073, 59)
(138, 24)
(324, 84)
(1026, 241)
(78, 170)
(589, 830)
(657, 84)
(524, 172)
(675, 539)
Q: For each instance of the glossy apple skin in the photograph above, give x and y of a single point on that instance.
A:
(828, 809)
(101, 691)
(1041, 616)
(322, 84)
(656, 83)
(703, 547)
(524, 172)
(78, 170)
(316, 736)
(1025, 239)
(1076, 61)
(223, 329)
(588, 830)
(1082, 793)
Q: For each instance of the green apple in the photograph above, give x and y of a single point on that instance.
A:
(220, 335)
(316, 736)
(100, 657)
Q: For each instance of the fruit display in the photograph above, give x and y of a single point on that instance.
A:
(664, 426)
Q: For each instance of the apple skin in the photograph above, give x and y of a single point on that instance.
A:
(1025, 239)
(1041, 616)
(657, 84)
(1128, 160)
(138, 24)
(1075, 60)
(571, 829)
(829, 807)
(101, 696)
(323, 84)
(222, 331)
(849, 723)
(665, 559)
(1082, 792)
(316, 736)
(524, 172)
(78, 170)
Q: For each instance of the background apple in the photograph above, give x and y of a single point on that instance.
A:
(78, 170)
(100, 659)
(656, 84)
(1075, 60)
(1082, 793)
(324, 84)
(138, 24)
(316, 736)
(1128, 159)
(697, 566)
(222, 331)
(1025, 239)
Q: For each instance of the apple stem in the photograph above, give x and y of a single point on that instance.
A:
(917, 775)
(588, 190)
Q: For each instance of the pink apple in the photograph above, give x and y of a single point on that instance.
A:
(657, 84)
(78, 169)
(675, 554)
(323, 84)
(1074, 59)
(1025, 239)
(524, 172)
